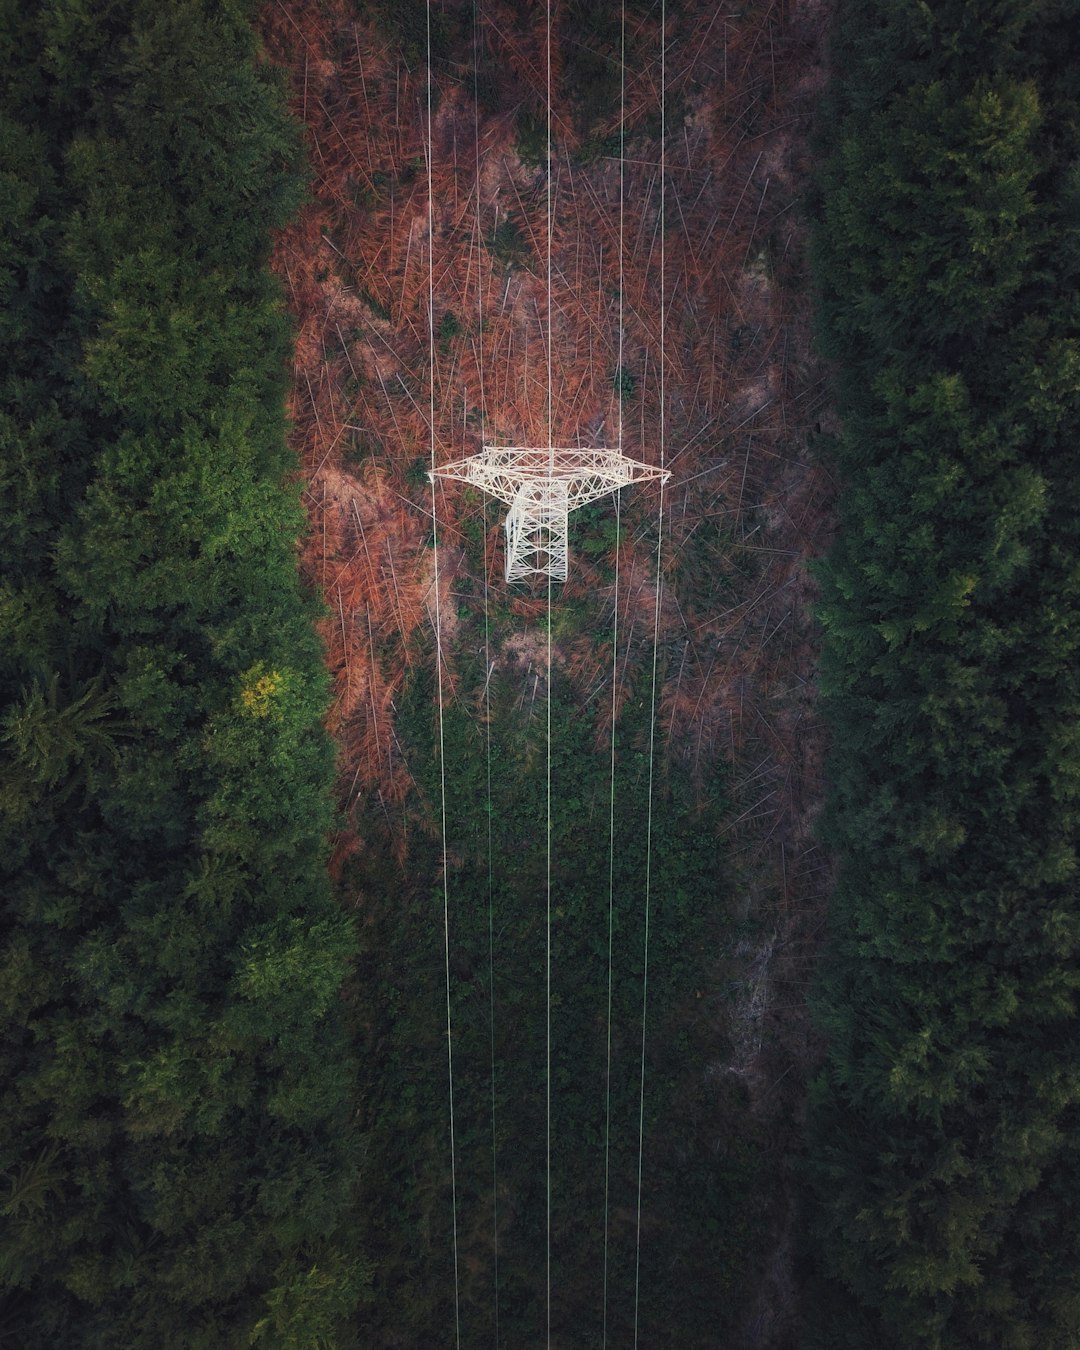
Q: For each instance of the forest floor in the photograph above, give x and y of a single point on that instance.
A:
(705, 267)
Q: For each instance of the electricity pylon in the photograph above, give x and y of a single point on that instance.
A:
(541, 487)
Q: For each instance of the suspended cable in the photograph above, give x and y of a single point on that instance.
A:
(652, 696)
(487, 680)
(614, 671)
(439, 683)
(551, 473)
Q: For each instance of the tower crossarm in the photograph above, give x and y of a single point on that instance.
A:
(585, 474)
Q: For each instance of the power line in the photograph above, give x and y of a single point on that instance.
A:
(614, 674)
(487, 684)
(551, 471)
(439, 682)
(652, 697)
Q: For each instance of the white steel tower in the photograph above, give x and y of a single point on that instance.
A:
(541, 487)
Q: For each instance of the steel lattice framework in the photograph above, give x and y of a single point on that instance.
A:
(541, 487)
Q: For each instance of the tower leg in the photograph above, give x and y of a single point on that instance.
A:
(536, 532)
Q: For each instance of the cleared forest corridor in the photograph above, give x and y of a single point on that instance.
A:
(738, 880)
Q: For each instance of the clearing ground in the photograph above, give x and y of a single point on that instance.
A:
(678, 318)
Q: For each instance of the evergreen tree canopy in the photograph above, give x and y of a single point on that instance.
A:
(175, 1129)
(944, 1126)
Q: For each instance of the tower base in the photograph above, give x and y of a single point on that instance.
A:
(536, 532)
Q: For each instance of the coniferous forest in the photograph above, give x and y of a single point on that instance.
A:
(177, 1084)
(943, 1150)
(831, 709)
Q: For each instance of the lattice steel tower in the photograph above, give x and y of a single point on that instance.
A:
(541, 487)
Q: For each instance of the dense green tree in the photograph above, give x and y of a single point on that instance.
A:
(943, 1125)
(176, 1124)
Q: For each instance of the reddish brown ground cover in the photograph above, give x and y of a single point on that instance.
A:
(718, 376)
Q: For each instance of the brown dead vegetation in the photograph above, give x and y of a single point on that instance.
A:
(725, 387)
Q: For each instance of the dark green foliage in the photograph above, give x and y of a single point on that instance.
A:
(625, 382)
(704, 1157)
(449, 329)
(944, 1125)
(416, 29)
(591, 33)
(508, 244)
(531, 142)
(175, 1130)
